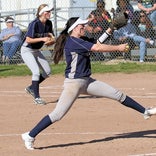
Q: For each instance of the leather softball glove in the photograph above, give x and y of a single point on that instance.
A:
(51, 40)
(119, 21)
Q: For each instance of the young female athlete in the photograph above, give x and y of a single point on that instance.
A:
(39, 33)
(78, 78)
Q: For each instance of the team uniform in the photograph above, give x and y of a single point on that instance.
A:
(78, 78)
(78, 81)
(32, 55)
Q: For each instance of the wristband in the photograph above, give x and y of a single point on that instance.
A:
(103, 37)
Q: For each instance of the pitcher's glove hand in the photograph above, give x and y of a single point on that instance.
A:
(119, 21)
(51, 40)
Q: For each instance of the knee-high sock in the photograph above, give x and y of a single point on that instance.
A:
(129, 102)
(35, 87)
(41, 79)
(43, 124)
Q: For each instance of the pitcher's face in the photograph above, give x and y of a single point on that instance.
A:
(81, 30)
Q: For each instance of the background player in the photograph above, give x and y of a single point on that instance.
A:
(78, 76)
(39, 33)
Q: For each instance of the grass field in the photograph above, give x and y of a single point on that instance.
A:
(97, 67)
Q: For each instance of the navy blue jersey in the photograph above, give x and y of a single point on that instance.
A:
(37, 29)
(77, 54)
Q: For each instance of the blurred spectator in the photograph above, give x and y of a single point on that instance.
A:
(128, 32)
(123, 6)
(11, 38)
(145, 26)
(99, 22)
(149, 7)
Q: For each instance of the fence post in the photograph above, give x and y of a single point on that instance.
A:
(55, 18)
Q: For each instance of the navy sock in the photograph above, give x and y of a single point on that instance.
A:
(41, 79)
(35, 87)
(129, 102)
(44, 123)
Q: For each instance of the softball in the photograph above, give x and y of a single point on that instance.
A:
(127, 48)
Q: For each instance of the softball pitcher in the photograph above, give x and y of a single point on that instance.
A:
(78, 78)
(39, 32)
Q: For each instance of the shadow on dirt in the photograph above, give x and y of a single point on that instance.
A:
(139, 134)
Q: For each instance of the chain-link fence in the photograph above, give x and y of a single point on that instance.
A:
(139, 33)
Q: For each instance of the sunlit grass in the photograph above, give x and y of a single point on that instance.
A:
(97, 67)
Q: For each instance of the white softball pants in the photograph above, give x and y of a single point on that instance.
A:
(35, 61)
(89, 86)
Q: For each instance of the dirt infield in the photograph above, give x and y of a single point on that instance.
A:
(93, 126)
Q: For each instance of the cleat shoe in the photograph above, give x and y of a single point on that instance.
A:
(28, 140)
(39, 101)
(30, 91)
(149, 112)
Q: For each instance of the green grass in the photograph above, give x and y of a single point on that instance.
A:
(123, 67)
(23, 70)
(97, 67)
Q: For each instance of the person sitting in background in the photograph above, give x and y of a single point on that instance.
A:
(129, 32)
(145, 26)
(149, 7)
(11, 38)
(123, 6)
(99, 22)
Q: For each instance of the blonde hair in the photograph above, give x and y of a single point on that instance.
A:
(40, 8)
